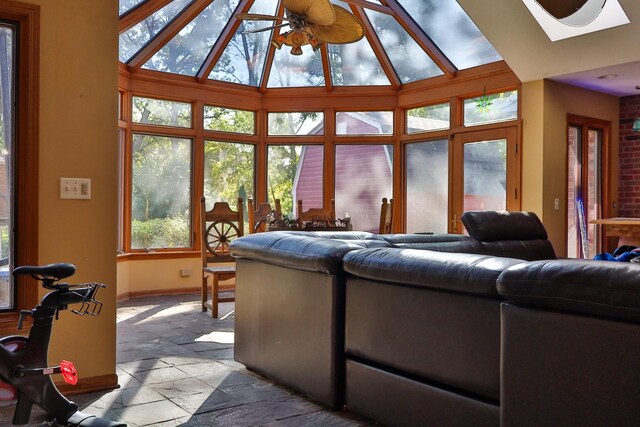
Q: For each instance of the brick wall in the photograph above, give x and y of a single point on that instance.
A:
(629, 174)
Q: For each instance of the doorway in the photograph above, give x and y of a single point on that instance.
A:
(476, 170)
(587, 183)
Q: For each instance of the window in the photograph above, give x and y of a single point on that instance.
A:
(161, 192)
(229, 120)
(295, 172)
(311, 123)
(491, 108)
(364, 175)
(229, 173)
(19, 41)
(364, 123)
(7, 124)
(432, 117)
(427, 177)
(161, 112)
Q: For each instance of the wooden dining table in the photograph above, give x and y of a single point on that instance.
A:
(626, 229)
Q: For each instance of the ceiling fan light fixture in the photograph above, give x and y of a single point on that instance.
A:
(312, 22)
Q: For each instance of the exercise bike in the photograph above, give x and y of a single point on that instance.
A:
(24, 371)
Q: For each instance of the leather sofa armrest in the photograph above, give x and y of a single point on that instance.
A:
(457, 272)
(597, 288)
(300, 251)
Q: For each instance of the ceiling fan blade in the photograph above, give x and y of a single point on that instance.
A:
(264, 29)
(259, 17)
(318, 12)
(346, 29)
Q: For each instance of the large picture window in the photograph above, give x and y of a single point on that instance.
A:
(295, 172)
(7, 125)
(161, 192)
(229, 172)
(19, 124)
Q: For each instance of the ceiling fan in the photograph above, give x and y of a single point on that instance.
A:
(312, 22)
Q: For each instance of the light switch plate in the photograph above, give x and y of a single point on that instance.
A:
(75, 188)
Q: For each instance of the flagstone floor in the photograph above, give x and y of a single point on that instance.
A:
(175, 368)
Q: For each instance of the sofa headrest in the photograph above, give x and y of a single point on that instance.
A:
(490, 226)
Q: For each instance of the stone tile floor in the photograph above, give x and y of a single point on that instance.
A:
(175, 368)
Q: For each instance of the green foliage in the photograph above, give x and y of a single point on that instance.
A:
(229, 172)
(229, 120)
(161, 112)
(283, 164)
(160, 233)
(161, 169)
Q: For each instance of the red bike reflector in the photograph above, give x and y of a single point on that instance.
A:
(69, 373)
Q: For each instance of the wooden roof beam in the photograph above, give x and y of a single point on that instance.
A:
(167, 33)
(139, 13)
(378, 49)
(326, 67)
(223, 41)
(425, 42)
(370, 5)
(271, 53)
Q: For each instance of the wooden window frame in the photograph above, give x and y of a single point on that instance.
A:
(25, 250)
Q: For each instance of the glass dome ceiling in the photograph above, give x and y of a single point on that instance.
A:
(405, 41)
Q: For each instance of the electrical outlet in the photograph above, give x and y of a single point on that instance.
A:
(185, 272)
(75, 188)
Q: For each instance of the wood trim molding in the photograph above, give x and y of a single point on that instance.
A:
(85, 385)
(155, 292)
(140, 12)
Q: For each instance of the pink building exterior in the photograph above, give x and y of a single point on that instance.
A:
(363, 174)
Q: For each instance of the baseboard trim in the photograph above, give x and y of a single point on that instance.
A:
(138, 294)
(87, 385)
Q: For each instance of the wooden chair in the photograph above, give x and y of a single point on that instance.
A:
(258, 217)
(386, 217)
(317, 214)
(219, 227)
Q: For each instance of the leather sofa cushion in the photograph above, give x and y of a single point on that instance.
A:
(599, 288)
(399, 239)
(468, 273)
(529, 250)
(301, 250)
(489, 226)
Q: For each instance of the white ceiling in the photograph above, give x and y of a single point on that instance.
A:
(578, 61)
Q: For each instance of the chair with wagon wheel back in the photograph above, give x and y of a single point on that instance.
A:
(258, 217)
(220, 226)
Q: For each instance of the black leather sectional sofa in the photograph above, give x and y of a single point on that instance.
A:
(443, 330)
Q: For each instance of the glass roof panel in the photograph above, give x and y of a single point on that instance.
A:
(410, 62)
(451, 29)
(186, 52)
(127, 5)
(137, 36)
(243, 59)
(355, 64)
(290, 70)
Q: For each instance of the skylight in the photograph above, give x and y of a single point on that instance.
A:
(405, 41)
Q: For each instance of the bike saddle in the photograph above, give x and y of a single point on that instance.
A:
(80, 419)
(52, 272)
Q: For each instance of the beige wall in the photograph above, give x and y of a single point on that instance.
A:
(545, 105)
(78, 138)
(158, 275)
